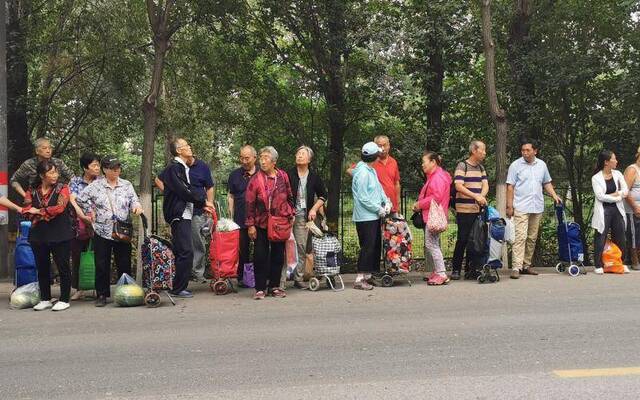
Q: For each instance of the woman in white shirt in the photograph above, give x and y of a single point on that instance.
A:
(610, 190)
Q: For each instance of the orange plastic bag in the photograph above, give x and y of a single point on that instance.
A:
(612, 259)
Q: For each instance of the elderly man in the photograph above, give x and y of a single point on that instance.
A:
(472, 186)
(526, 178)
(387, 170)
(180, 199)
(26, 174)
(237, 186)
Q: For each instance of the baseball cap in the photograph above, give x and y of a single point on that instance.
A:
(110, 162)
(371, 149)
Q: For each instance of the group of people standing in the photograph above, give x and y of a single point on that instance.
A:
(69, 212)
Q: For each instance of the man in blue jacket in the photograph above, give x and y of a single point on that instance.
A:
(180, 198)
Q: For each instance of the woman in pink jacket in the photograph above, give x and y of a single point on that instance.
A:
(436, 188)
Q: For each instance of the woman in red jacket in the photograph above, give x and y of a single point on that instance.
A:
(47, 206)
(436, 188)
(269, 186)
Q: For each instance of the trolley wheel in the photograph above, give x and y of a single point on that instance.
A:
(560, 268)
(492, 279)
(481, 278)
(574, 270)
(314, 284)
(387, 281)
(220, 287)
(152, 300)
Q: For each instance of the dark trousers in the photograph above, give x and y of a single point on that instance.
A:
(614, 223)
(268, 259)
(60, 251)
(183, 251)
(103, 249)
(465, 222)
(77, 247)
(633, 223)
(370, 239)
(245, 256)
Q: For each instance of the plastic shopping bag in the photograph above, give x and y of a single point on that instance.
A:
(249, 275)
(128, 293)
(291, 253)
(612, 259)
(25, 296)
(510, 231)
(87, 269)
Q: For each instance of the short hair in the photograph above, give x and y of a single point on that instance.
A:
(40, 141)
(474, 145)
(273, 153)
(533, 142)
(88, 158)
(173, 146)
(42, 168)
(251, 148)
(308, 149)
(375, 139)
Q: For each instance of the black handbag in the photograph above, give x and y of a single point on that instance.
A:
(417, 220)
(122, 230)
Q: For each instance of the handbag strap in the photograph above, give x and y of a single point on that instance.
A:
(269, 195)
(113, 211)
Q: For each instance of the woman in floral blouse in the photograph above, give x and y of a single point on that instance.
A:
(47, 206)
(105, 201)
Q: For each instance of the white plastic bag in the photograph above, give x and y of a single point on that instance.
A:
(226, 225)
(25, 296)
(128, 293)
(510, 231)
(291, 256)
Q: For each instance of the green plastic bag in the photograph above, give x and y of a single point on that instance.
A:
(87, 270)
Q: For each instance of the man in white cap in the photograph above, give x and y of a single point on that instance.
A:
(369, 205)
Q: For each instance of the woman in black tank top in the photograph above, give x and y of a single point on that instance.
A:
(47, 206)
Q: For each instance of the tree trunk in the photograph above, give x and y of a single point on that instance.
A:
(518, 47)
(497, 113)
(335, 97)
(19, 142)
(158, 20)
(434, 91)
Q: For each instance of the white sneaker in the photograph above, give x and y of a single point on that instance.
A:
(626, 269)
(43, 305)
(59, 306)
(598, 271)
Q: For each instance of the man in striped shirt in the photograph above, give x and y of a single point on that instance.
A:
(472, 187)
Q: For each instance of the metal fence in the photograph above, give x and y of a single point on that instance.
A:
(349, 238)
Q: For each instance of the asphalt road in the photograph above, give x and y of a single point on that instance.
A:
(463, 341)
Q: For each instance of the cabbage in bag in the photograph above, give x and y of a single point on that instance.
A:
(25, 296)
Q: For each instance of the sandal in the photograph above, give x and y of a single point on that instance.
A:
(362, 285)
(437, 280)
(278, 292)
(429, 277)
(259, 295)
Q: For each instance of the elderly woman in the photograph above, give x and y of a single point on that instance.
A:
(109, 200)
(369, 205)
(90, 164)
(310, 195)
(268, 195)
(632, 208)
(436, 188)
(47, 206)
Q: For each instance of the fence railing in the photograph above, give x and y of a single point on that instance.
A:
(349, 238)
